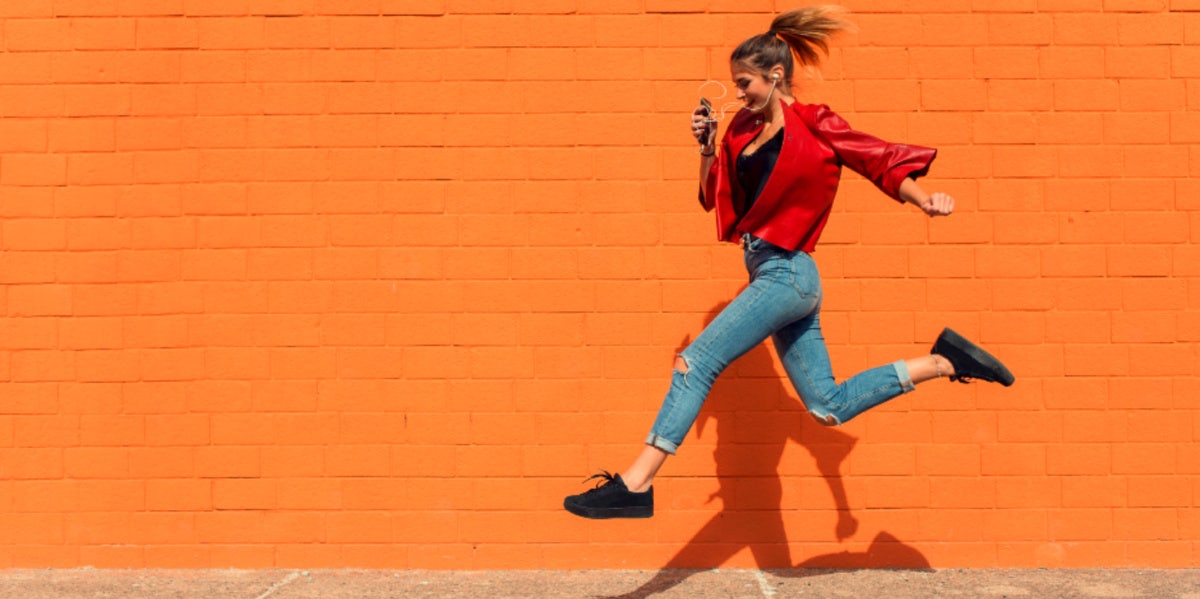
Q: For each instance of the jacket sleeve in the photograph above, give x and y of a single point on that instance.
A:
(882, 163)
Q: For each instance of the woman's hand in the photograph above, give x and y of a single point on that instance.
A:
(937, 204)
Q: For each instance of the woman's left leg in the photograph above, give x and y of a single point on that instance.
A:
(802, 351)
(801, 348)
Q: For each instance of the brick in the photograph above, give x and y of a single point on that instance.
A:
(1086, 27)
(244, 494)
(1162, 360)
(27, 267)
(1140, 62)
(177, 430)
(161, 462)
(1079, 459)
(1086, 94)
(1009, 460)
(45, 101)
(1020, 29)
(1006, 62)
(1143, 195)
(39, 300)
(42, 8)
(896, 492)
(155, 397)
(1143, 458)
(376, 493)
(1071, 128)
(1148, 552)
(167, 33)
(1031, 492)
(1152, 94)
(29, 333)
(41, 366)
(904, 95)
(1074, 261)
(1078, 524)
(1171, 427)
(1148, 29)
(28, 67)
(34, 169)
(949, 460)
(372, 428)
(959, 294)
(1185, 62)
(1151, 524)
(179, 495)
(1094, 491)
(360, 527)
(953, 29)
(33, 463)
(45, 431)
(29, 202)
(1091, 228)
(96, 462)
(378, 362)
(1156, 161)
(296, 33)
(1155, 228)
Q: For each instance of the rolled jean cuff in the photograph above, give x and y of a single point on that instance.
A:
(906, 382)
(661, 443)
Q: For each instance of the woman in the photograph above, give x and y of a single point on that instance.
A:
(772, 185)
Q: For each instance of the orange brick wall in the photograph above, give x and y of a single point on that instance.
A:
(312, 283)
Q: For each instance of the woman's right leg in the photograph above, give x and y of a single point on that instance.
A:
(748, 320)
(767, 304)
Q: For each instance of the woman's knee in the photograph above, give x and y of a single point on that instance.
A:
(681, 364)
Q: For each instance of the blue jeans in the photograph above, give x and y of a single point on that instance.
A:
(782, 301)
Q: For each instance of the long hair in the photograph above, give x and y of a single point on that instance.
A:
(804, 32)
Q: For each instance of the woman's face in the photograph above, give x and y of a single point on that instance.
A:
(753, 86)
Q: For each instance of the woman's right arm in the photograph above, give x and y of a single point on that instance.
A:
(708, 153)
(706, 163)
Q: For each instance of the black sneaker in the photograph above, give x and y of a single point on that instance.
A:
(611, 499)
(969, 360)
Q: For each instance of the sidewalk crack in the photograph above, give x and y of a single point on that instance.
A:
(767, 589)
(279, 585)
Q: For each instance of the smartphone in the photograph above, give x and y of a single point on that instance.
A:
(704, 103)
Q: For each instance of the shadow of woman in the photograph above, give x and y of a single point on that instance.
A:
(750, 446)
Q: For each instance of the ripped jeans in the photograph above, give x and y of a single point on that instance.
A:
(783, 302)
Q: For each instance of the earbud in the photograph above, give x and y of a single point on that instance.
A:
(775, 76)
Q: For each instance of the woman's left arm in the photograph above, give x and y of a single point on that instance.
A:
(893, 168)
(933, 204)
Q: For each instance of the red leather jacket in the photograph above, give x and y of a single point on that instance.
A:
(794, 204)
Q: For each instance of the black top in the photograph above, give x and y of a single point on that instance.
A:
(753, 170)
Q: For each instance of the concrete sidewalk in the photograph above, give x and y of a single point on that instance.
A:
(891, 584)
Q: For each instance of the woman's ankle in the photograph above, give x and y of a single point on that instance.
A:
(636, 484)
(943, 365)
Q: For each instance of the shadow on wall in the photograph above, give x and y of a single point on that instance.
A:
(759, 526)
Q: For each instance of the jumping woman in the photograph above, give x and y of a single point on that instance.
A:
(772, 183)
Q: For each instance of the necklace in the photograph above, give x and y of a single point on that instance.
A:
(759, 121)
(774, 119)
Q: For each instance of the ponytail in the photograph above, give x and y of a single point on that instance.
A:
(804, 32)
